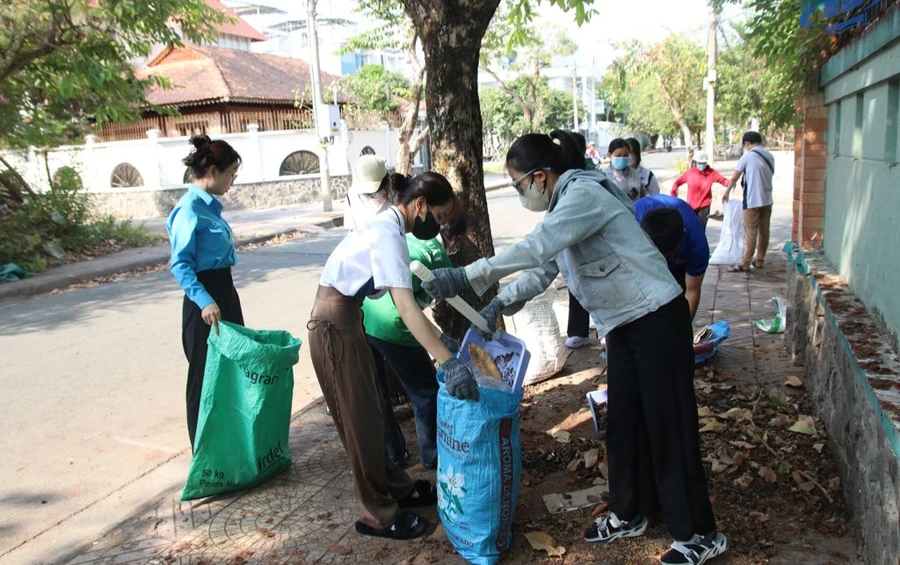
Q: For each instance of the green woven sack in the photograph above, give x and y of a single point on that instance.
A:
(245, 410)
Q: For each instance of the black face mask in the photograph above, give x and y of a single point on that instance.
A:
(426, 229)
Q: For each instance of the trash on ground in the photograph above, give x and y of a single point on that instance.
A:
(568, 501)
(774, 325)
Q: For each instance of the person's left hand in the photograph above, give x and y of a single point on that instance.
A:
(447, 283)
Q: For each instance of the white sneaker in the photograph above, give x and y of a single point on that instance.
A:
(695, 551)
(610, 528)
(576, 342)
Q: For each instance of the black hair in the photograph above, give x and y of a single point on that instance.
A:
(434, 187)
(618, 143)
(582, 142)
(206, 153)
(558, 152)
(752, 137)
(665, 226)
(634, 147)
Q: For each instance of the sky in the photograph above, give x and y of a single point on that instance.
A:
(615, 21)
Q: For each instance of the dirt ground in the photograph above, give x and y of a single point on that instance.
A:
(775, 492)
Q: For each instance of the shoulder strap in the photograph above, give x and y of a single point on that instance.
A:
(764, 160)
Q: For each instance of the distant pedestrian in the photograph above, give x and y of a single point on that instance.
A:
(202, 257)
(592, 153)
(757, 167)
(700, 179)
(648, 180)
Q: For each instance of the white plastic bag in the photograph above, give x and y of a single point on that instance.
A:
(537, 326)
(730, 250)
(776, 324)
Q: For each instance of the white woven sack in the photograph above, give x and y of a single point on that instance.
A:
(537, 326)
(730, 250)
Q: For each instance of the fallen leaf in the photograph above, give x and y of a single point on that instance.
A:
(600, 509)
(760, 517)
(744, 481)
(804, 425)
(599, 481)
(738, 459)
(742, 444)
(818, 447)
(718, 466)
(591, 457)
(733, 414)
(561, 436)
(834, 483)
(703, 411)
(713, 426)
(574, 464)
(542, 541)
(795, 382)
(767, 474)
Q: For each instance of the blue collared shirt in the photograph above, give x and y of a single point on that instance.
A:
(201, 240)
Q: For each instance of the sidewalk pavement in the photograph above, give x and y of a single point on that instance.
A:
(306, 514)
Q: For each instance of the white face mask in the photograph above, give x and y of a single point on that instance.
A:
(533, 200)
(701, 166)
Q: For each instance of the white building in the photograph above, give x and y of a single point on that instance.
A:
(285, 26)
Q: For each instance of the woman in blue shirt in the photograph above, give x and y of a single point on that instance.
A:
(202, 257)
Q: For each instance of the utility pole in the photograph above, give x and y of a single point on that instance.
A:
(712, 52)
(317, 102)
(574, 97)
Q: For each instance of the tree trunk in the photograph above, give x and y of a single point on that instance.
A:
(677, 114)
(451, 32)
(405, 154)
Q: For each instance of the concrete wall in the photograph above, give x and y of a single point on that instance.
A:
(854, 377)
(861, 90)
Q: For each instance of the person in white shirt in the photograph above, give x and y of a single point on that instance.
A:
(370, 192)
(649, 182)
(757, 166)
(370, 262)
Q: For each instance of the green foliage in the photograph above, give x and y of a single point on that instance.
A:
(62, 218)
(67, 63)
(658, 87)
(373, 88)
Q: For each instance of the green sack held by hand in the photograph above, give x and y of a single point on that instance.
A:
(245, 410)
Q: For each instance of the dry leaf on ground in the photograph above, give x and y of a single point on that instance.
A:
(591, 457)
(712, 425)
(795, 382)
(703, 411)
(805, 425)
(768, 474)
(542, 541)
(562, 436)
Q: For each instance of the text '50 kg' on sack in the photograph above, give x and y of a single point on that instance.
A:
(245, 410)
(479, 465)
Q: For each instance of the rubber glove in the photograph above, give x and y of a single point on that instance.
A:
(490, 313)
(450, 343)
(459, 380)
(447, 283)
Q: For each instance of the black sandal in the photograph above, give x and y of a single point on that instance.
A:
(423, 494)
(406, 526)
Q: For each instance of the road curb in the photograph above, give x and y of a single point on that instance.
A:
(125, 261)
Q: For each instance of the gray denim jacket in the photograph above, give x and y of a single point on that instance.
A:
(591, 236)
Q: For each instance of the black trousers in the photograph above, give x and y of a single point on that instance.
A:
(652, 432)
(579, 319)
(703, 215)
(194, 333)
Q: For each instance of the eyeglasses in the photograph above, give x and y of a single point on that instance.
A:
(518, 181)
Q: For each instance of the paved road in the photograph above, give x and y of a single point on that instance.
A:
(92, 411)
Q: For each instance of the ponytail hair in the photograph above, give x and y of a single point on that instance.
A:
(434, 187)
(207, 153)
(557, 152)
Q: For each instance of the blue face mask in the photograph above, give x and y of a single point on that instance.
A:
(620, 163)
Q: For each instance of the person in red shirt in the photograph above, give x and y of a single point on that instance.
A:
(699, 179)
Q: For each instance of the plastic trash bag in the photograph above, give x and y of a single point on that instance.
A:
(706, 343)
(245, 410)
(479, 466)
(730, 250)
(776, 324)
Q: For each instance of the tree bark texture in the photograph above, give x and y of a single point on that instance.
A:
(451, 32)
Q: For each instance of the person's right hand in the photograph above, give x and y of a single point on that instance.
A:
(459, 380)
(447, 283)
(725, 196)
(211, 315)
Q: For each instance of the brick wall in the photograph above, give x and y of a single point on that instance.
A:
(810, 155)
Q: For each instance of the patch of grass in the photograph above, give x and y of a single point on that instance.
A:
(495, 167)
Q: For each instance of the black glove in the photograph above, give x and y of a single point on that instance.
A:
(450, 343)
(459, 380)
(447, 283)
(490, 313)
